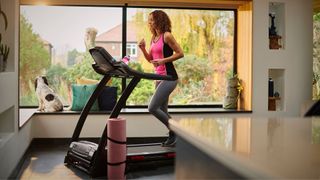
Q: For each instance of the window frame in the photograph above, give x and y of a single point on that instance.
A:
(124, 45)
(124, 34)
(132, 47)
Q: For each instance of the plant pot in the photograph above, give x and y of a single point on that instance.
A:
(1, 63)
(233, 82)
(232, 92)
(230, 102)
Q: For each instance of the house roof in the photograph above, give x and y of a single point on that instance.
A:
(115, 34)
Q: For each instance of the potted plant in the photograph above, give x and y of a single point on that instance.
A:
(4, 53)
(4, 49)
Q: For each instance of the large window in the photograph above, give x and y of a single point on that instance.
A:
(207, 39)
(316, 56)
(54, 41)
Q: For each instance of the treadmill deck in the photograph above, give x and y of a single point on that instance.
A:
(148, 149)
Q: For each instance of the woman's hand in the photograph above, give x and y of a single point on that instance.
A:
(142, 44)
(157, 62)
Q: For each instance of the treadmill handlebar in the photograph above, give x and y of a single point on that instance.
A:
(105, 64)
(143, 75)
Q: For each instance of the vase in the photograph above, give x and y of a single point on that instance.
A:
(1, 63)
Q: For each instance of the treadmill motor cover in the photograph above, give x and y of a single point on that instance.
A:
(84, 149)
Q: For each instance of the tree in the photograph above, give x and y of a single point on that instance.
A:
(206, 38)
(193, 74)
(34, 58)
(82, 69)
(72, 55)
(55, 76)
(144, 89)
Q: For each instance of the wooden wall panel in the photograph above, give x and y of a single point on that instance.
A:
(233, 4)
(244, 57)
(244, 37)
(316, 5)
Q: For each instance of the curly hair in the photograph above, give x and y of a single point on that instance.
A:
(162, 21)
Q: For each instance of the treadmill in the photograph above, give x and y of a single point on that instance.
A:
(91, 157)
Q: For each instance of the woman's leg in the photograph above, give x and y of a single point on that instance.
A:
(159, 102)
(164, 106)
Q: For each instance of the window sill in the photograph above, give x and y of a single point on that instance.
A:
(26, 114)
(145, 111)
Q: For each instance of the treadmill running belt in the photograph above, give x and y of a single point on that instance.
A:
(148, 150)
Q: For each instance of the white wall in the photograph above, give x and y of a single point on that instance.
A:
(295, 58)
(13, 142)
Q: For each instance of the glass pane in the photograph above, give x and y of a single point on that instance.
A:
(54, 41)
(316, 56)
(207, 39)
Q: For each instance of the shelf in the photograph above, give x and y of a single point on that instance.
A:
(4, 137)
(6, 73)
(272, 103)
(7, 123)
(8, 87)
(276, 99)
(276, 25)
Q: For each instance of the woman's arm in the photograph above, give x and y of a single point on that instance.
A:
(178, 53)
(142, 46)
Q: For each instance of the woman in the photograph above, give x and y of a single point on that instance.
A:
(163, 51)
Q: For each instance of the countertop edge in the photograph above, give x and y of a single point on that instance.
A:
(238, 164)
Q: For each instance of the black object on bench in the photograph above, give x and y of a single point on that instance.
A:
(91, 157)
(314, 110)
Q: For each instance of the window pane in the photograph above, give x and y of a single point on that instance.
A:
(207, 39)
(54, 41)
(316, 56)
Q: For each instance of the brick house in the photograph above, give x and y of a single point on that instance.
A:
(111, 40)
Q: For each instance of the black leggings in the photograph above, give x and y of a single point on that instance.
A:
(159, 102)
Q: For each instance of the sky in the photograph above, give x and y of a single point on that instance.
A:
(64, 27)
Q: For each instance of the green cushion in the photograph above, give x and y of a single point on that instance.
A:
(81, 95)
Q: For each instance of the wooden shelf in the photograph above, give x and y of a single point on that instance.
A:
(274, 98)
(276, 25)
(272, 103)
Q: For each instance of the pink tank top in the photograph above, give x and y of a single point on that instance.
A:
(156, 50)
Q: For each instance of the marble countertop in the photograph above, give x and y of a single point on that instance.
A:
(257, 147)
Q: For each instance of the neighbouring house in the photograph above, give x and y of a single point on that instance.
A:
(111, 40)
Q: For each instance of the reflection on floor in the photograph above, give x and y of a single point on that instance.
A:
(46, 162)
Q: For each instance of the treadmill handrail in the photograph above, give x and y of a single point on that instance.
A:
(144, 75)
(119, 68)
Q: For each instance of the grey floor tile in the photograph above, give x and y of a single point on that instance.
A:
(46, 162)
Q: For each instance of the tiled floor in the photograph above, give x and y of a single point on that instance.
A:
(46, 162)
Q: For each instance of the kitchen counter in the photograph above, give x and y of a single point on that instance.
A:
(247, 147)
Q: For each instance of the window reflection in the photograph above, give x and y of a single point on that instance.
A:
(315, 131)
